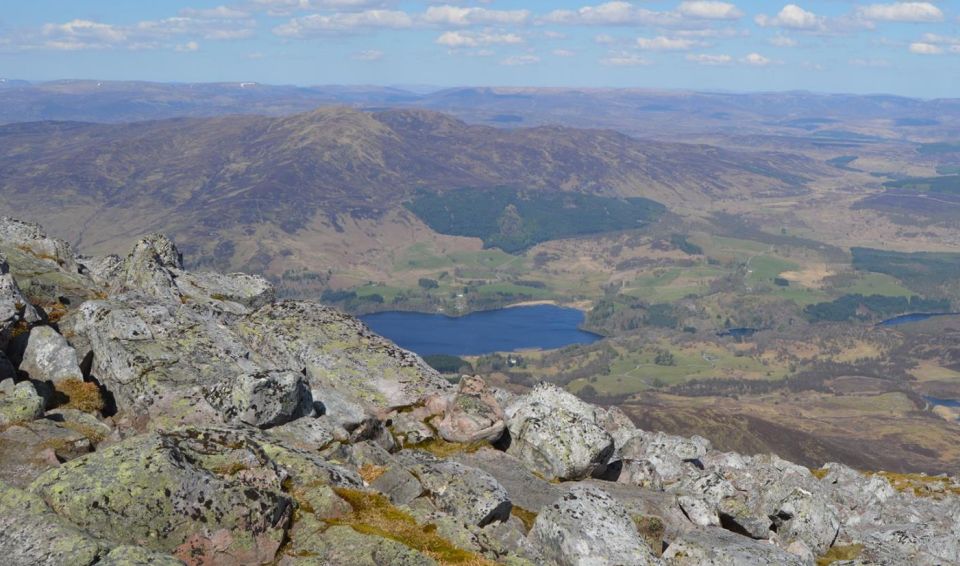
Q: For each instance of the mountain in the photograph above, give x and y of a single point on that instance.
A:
(220, 184)
(648, 113)
(167, 417)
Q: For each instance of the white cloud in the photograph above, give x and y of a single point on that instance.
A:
(706, 59)
(563, 53)
(220, 12)
(459, 16)
(188, 47)
(901, 12)
(792, 17)
(148, 34)
(517, 60)
(368, 55)
(921, 48)
(783, 41)
(615, 13)
(623, 59)
(318, 24)
(709, 10)
(605, 39)
(756, 59)
(662, 43)
(457, 39)
(287, 7)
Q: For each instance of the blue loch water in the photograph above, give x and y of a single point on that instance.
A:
(913, 317)
(503, 330)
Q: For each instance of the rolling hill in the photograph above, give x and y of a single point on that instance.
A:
(228, 186)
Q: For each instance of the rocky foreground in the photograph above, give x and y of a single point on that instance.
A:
(150, 415)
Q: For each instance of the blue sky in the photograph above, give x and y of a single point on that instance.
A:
(908, 48)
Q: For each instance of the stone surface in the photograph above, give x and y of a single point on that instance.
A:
(20, 404)
(469, 494)
(587, 526)
(555, 434)
(717, 547)
(263, 399)
(49, 357)
(137, 556)
(473, 414)
(31, 535)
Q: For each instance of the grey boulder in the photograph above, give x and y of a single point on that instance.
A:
(48, 357)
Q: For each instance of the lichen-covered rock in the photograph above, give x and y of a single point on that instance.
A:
(587, 526)
(343, 545)
(339, 352)
(555, 434)
(44, 434)
(20, 404)
(469, 494)
(15, 310)
(189, 492)
(263, 399)
(49, 357)
(473, 414)
(717, 547)
(30, 238)
(669, 454)
(31, 535)
(147, 269)
(137, 556)
(247, 291)
(808, 517)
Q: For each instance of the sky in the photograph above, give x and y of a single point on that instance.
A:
(904, 48)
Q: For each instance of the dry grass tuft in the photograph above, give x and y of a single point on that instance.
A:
(443, 449)
(922, 485)
(80, 395)
(840, 553)
(526, 516)
(370, 472)
(373, 514)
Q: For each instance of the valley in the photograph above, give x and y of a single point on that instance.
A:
(800, 235)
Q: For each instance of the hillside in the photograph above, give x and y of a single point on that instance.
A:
(151, 415)
(232, 188)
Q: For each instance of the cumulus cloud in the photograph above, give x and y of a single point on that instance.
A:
(921, 48)
(220, 12)
(783, 41)
(517, 60)
(319, 24)
(461, 16)
(709, 10)
(563, 53)
(662, 43)
(756, 59)
(792, 17)
(870, 63)
(915, 12)
(457, 39)
(707, 59)
(611, 14)
(188, 47)
(149, 34)
(623, 59)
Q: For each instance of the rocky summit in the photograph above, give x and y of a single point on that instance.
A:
(151, 415)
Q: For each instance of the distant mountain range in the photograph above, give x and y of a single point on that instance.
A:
(637, 112)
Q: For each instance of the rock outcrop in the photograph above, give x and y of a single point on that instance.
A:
(150, 415)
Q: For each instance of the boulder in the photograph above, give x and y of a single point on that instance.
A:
(556, 436)
(20, 403)
(262, 399)
(49, 357)
(44, 434)
(343, 545)
(16, 312)
(473, 415)
(137, 556)
(339, 352)
(190, 492)
(717, 547)
(587, 526)
(32, 535)
(670, 455)
(30, 238)
(147, 269)
(469, 494)
(239, 289)
(808, 517)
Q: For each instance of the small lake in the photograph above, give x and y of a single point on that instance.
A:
(913, 317)
(504, 330)
(955, 403)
